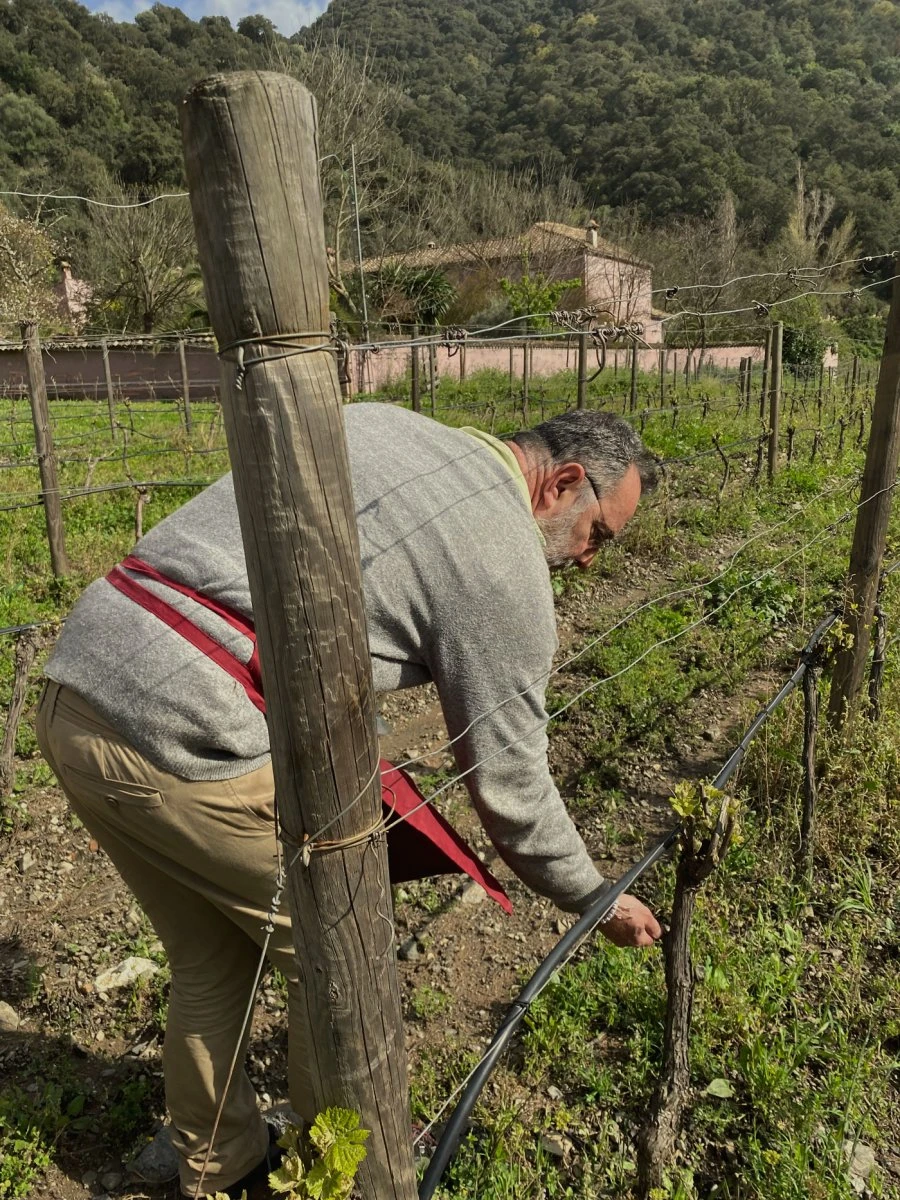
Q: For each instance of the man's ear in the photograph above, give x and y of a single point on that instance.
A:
(559, 481)
(569, 475)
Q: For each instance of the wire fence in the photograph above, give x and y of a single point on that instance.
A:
(674, 411)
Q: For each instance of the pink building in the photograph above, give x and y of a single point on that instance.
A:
(609, 277)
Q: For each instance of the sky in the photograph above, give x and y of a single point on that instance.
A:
(287, 15)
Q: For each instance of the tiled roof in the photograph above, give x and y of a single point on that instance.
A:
(542, 238)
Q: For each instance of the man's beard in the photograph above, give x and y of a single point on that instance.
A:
(558, 539)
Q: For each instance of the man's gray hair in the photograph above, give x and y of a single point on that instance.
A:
(601, 442)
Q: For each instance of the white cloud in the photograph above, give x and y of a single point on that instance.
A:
(286, 15)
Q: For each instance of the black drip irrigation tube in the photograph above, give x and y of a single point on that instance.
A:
(586, 924)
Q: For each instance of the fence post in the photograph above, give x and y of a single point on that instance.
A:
(43, 440)
(25, 653)
(662, 377)
(110, 392)
(526, 372)
(462, 363)
(764, 386)
(774, 397)
(632, 401)
(879, 478)
(251, 156)
(582, 370)
(414, 368)
(185, 386)
(432, 377)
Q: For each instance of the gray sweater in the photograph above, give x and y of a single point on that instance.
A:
(457, 591)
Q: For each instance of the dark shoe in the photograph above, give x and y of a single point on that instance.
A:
(256, 1182)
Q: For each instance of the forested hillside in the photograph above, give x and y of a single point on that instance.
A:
(81, 94)
(663, 103)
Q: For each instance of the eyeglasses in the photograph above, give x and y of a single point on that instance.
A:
(600, 531)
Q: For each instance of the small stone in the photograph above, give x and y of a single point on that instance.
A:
(89, 1178)
(26, 862)
(111, 1181)
(860, 1164)
(473, 893)
(157, 1162)
(556, 1145)
(409, 950)
(9, 1018)
(554, 1093)
(65, 868)
(129, 971)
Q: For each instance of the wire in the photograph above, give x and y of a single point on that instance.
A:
(96, 203)
(788, 273)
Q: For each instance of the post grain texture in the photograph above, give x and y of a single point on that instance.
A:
(876, 498)
(43, 441)
(110, 391)
(251, 154)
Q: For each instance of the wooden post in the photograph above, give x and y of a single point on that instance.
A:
(432, 377)
(662, 376)
(764, 386)
(43, 440)
(185, 386)
(819, 391)
(582, 370)
(251, 156)
(26, 650)
(512, 370)
(462, 363)
(632, 401)
(414, 369)
(774, 397)
(879, 478)
(110, 392)
(526, 365)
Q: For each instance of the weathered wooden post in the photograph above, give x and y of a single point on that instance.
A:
(462, 363)
(582, 370)
(774, 397)
(110, 392)
(764, 385)
(662, 376)
(25, 654)
(432, 377)
(414, 369)
(43, 440)
(526, 374)
(633, 387)
(878, 482)
(185, 386)
(251, 155)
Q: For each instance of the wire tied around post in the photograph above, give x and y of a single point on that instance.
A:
(234, 351)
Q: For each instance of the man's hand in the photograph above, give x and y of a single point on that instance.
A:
(633, 925)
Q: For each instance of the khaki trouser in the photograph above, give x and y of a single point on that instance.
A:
(201, 860)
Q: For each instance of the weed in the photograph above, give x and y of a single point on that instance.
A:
(427, 1002)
